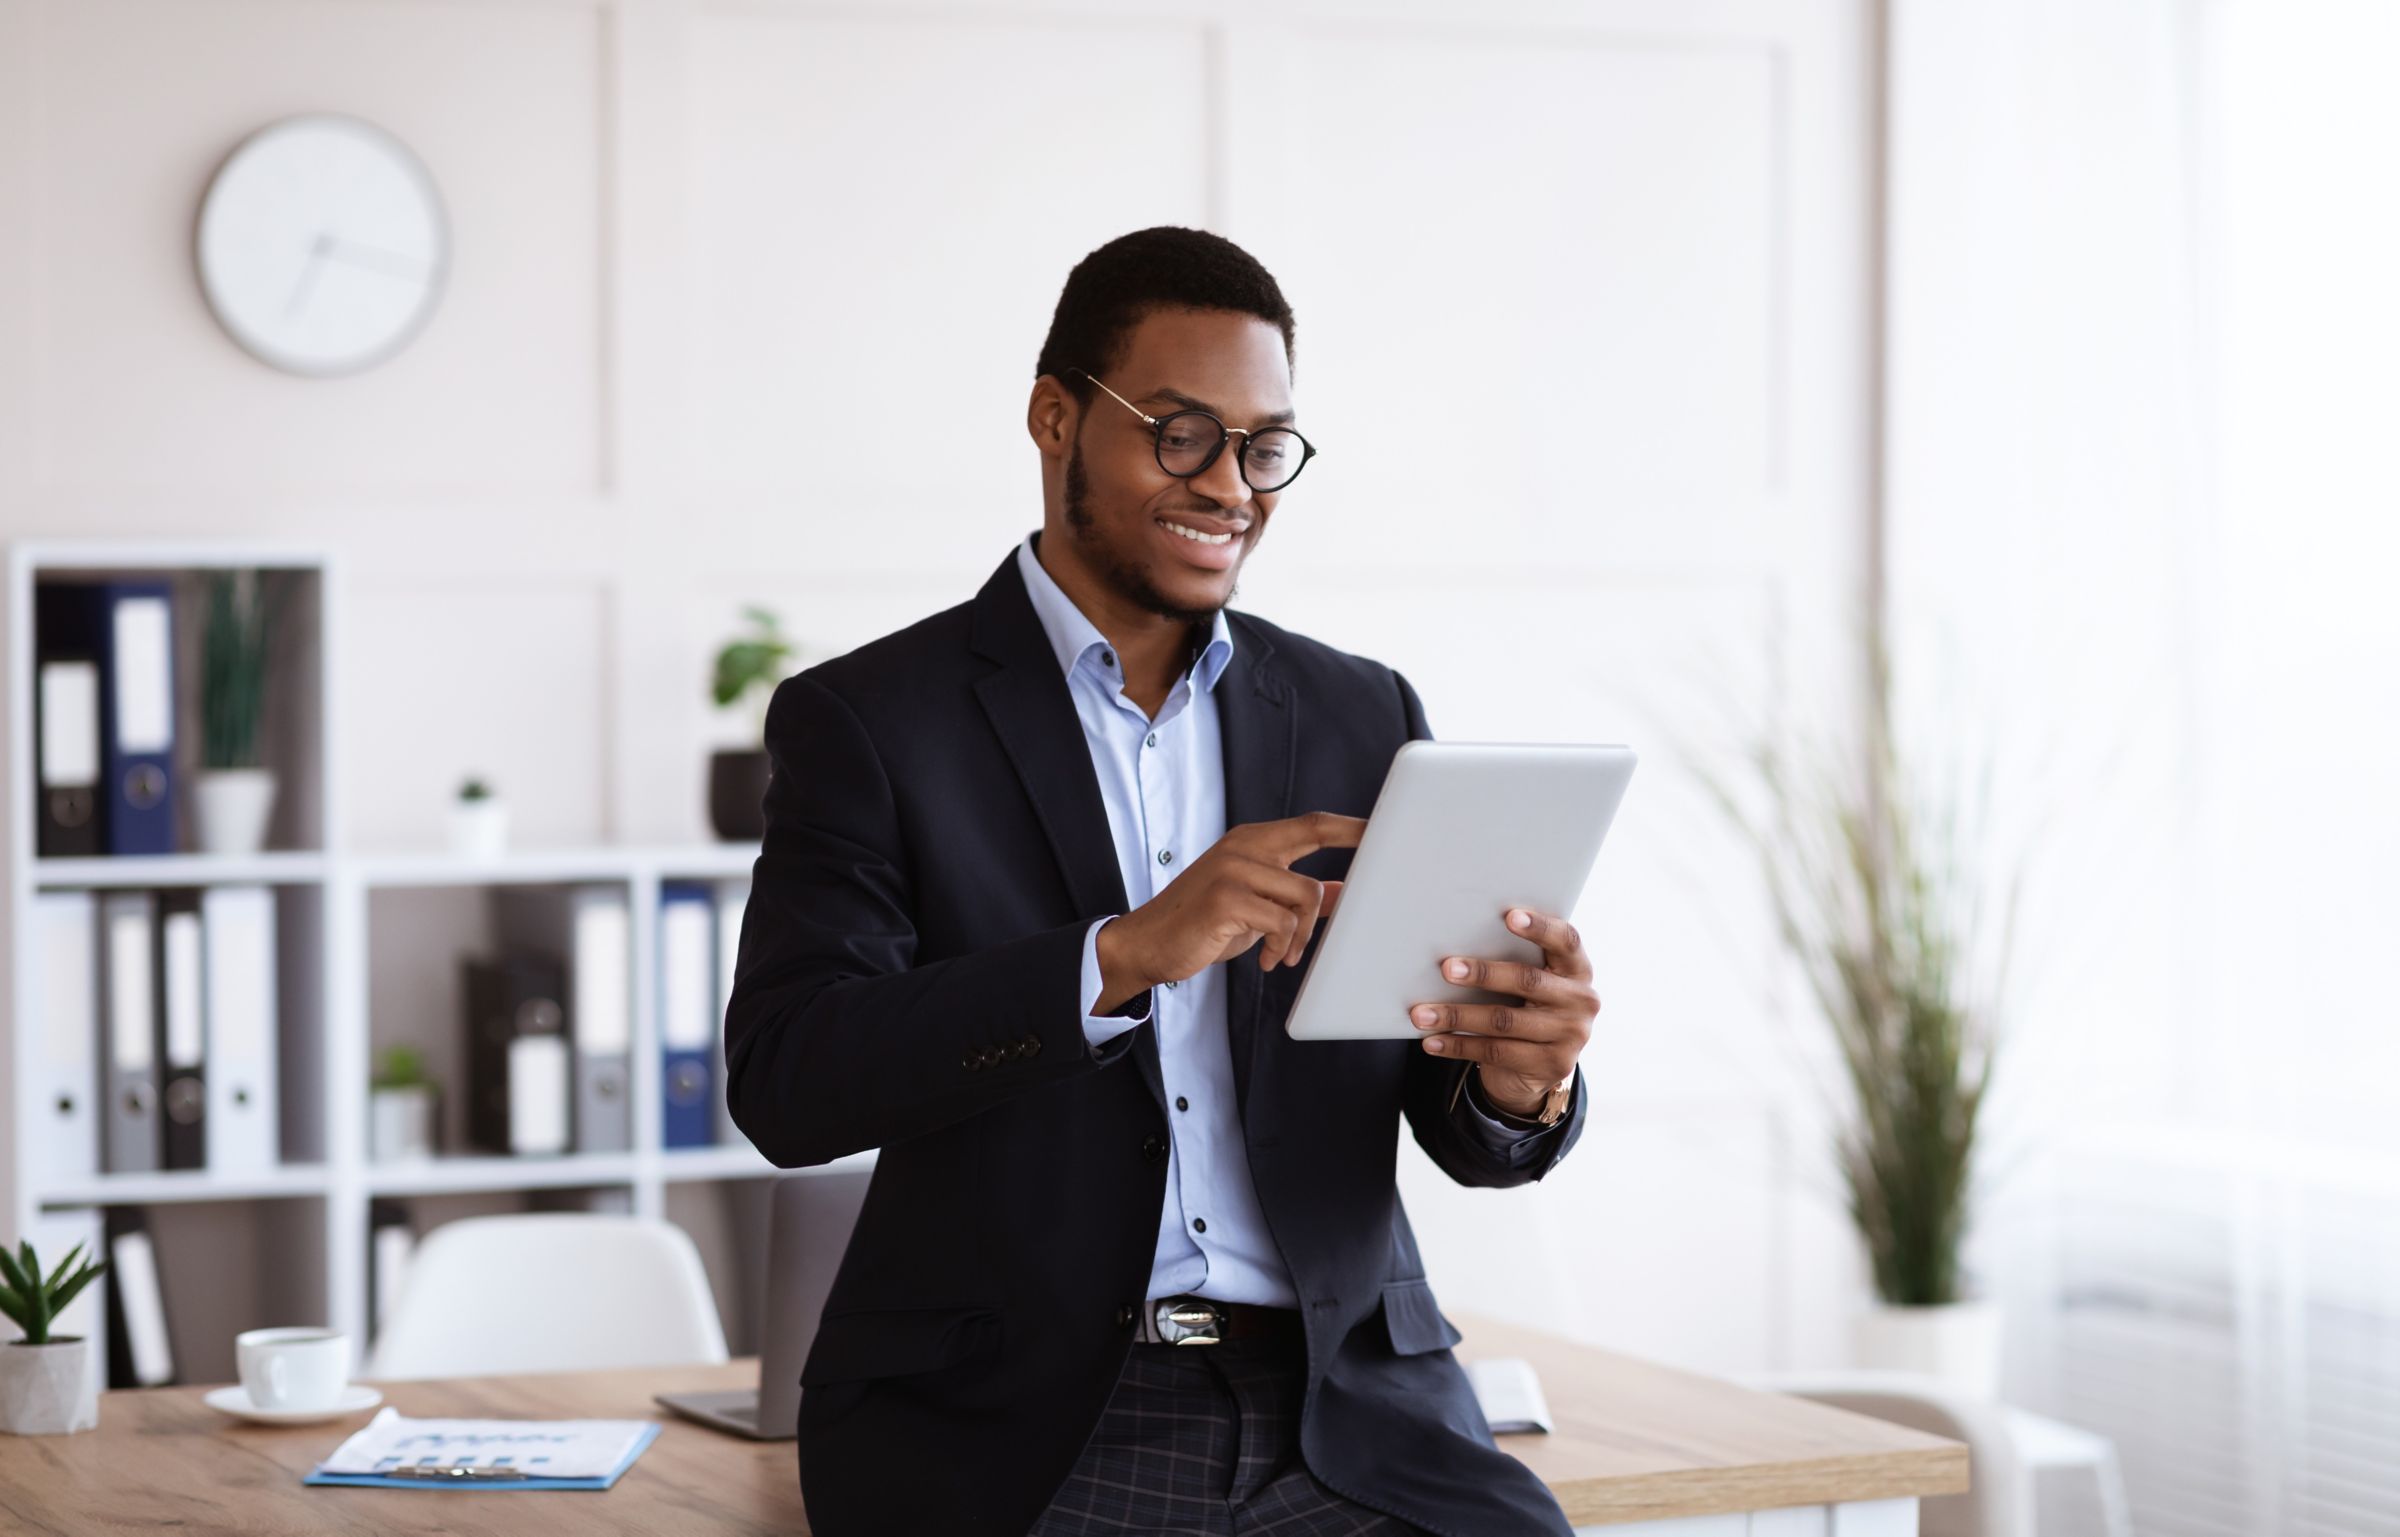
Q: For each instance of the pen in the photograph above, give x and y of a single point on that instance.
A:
(459, 1475)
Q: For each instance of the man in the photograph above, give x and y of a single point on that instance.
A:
(1040, 878)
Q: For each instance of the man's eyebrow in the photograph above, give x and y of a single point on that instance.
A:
(1193, 403)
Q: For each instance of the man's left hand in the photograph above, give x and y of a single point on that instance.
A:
(1519, 1050)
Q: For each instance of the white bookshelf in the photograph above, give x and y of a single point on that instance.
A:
(329, 896)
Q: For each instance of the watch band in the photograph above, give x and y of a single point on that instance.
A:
(1554, 1104)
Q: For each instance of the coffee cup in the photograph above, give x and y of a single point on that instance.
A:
(299, 1368)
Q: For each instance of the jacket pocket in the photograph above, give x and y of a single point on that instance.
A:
(1415, 1322)
(896, 1342)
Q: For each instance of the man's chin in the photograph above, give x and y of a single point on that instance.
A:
(1191, 596)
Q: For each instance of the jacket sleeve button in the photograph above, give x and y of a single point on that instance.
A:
(1124, 1318)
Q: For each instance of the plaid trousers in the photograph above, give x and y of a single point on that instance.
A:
(1204, 1441)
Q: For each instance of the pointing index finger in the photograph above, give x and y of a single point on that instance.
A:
(1292, 837)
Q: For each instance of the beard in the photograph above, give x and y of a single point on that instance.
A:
(1129, 579)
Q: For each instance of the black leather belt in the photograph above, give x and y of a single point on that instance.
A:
(1190, 1320)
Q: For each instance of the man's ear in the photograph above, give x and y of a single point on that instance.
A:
(1050, 417)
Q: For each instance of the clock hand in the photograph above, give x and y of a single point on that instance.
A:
(375, 258)
(308, 275)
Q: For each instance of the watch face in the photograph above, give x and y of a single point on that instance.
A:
(321, 244)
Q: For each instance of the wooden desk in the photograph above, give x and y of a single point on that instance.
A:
(1636, 1443)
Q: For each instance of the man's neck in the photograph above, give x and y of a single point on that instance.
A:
(1152, 650)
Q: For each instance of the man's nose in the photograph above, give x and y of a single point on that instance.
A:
(1222, 481)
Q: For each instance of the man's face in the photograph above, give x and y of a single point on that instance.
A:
(1123, 511)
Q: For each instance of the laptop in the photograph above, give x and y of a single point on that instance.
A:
(807, 1230)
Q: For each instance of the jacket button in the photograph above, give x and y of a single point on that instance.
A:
(968, 1061)
(1125, 1318)
(1154, 1148)
(1030, 1046)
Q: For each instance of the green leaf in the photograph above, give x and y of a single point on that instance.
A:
(12, 1275)
(63, 1265)
(14, 1307)
(75, 1284)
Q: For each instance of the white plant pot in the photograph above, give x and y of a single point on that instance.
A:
(48, 1390)
(231, 807)
(1956, 1342)
(400, 1124)
(479, 829)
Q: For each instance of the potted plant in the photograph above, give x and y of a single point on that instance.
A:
(404, 1107)
(234, 792)
(47, 1384)
(478, 821)
(748, 668)
(1870, 871)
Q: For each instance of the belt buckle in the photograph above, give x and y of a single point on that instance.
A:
(1189, 1321)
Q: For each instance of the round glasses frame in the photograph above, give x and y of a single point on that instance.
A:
(1158, 440)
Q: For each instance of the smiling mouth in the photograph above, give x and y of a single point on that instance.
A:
(1198, 535)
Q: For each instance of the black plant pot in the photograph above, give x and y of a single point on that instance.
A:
(737, 792)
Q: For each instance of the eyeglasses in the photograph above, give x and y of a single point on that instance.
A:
(1188, 443)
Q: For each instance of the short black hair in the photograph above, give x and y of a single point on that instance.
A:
(1168, 266)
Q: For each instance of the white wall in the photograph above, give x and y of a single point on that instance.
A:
(744, 307)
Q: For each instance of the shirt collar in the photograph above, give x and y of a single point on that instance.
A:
(1072, 635)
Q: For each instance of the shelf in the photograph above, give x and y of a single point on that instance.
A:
(697, 1163)
(285, 867)
(443, 1176)
(169, 1186)
(436, 867)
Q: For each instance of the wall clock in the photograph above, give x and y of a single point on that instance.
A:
(321, 244)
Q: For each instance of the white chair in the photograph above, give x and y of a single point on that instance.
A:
(549, 1292)
(2000, 1503)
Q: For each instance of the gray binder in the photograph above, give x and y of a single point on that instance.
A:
(589, 929)
(129, 1008)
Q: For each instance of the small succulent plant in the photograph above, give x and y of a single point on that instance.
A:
(401, 1067)
(34, 1302)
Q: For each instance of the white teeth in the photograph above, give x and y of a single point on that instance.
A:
(1194, 534)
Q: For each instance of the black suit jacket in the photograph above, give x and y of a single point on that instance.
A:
(909, 979)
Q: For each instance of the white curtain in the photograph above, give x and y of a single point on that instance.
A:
(2143, 513)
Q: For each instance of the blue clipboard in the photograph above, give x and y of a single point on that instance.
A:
(641, 1444)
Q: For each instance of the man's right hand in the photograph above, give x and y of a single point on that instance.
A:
(1241, 891)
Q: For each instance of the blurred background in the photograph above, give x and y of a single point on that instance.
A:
(1672, 362)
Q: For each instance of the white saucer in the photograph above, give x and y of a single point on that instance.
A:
(235, 1400)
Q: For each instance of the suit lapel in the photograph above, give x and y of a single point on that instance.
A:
(1034, 716)
(1256, 719)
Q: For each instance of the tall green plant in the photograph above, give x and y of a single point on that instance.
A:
(234, 645)
(1876, 896)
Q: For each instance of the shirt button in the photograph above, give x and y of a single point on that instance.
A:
(1108, 659)
(1181, 1103)
(1170, 984)
(1151, 740)
(1166, 856)
(1199, 1224)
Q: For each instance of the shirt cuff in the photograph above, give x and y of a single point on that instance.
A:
(1495, 1135)
(1100, 1029)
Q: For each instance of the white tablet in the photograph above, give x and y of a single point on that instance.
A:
(1461, 832)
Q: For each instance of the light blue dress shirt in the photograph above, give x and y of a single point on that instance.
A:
(1163, 782)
